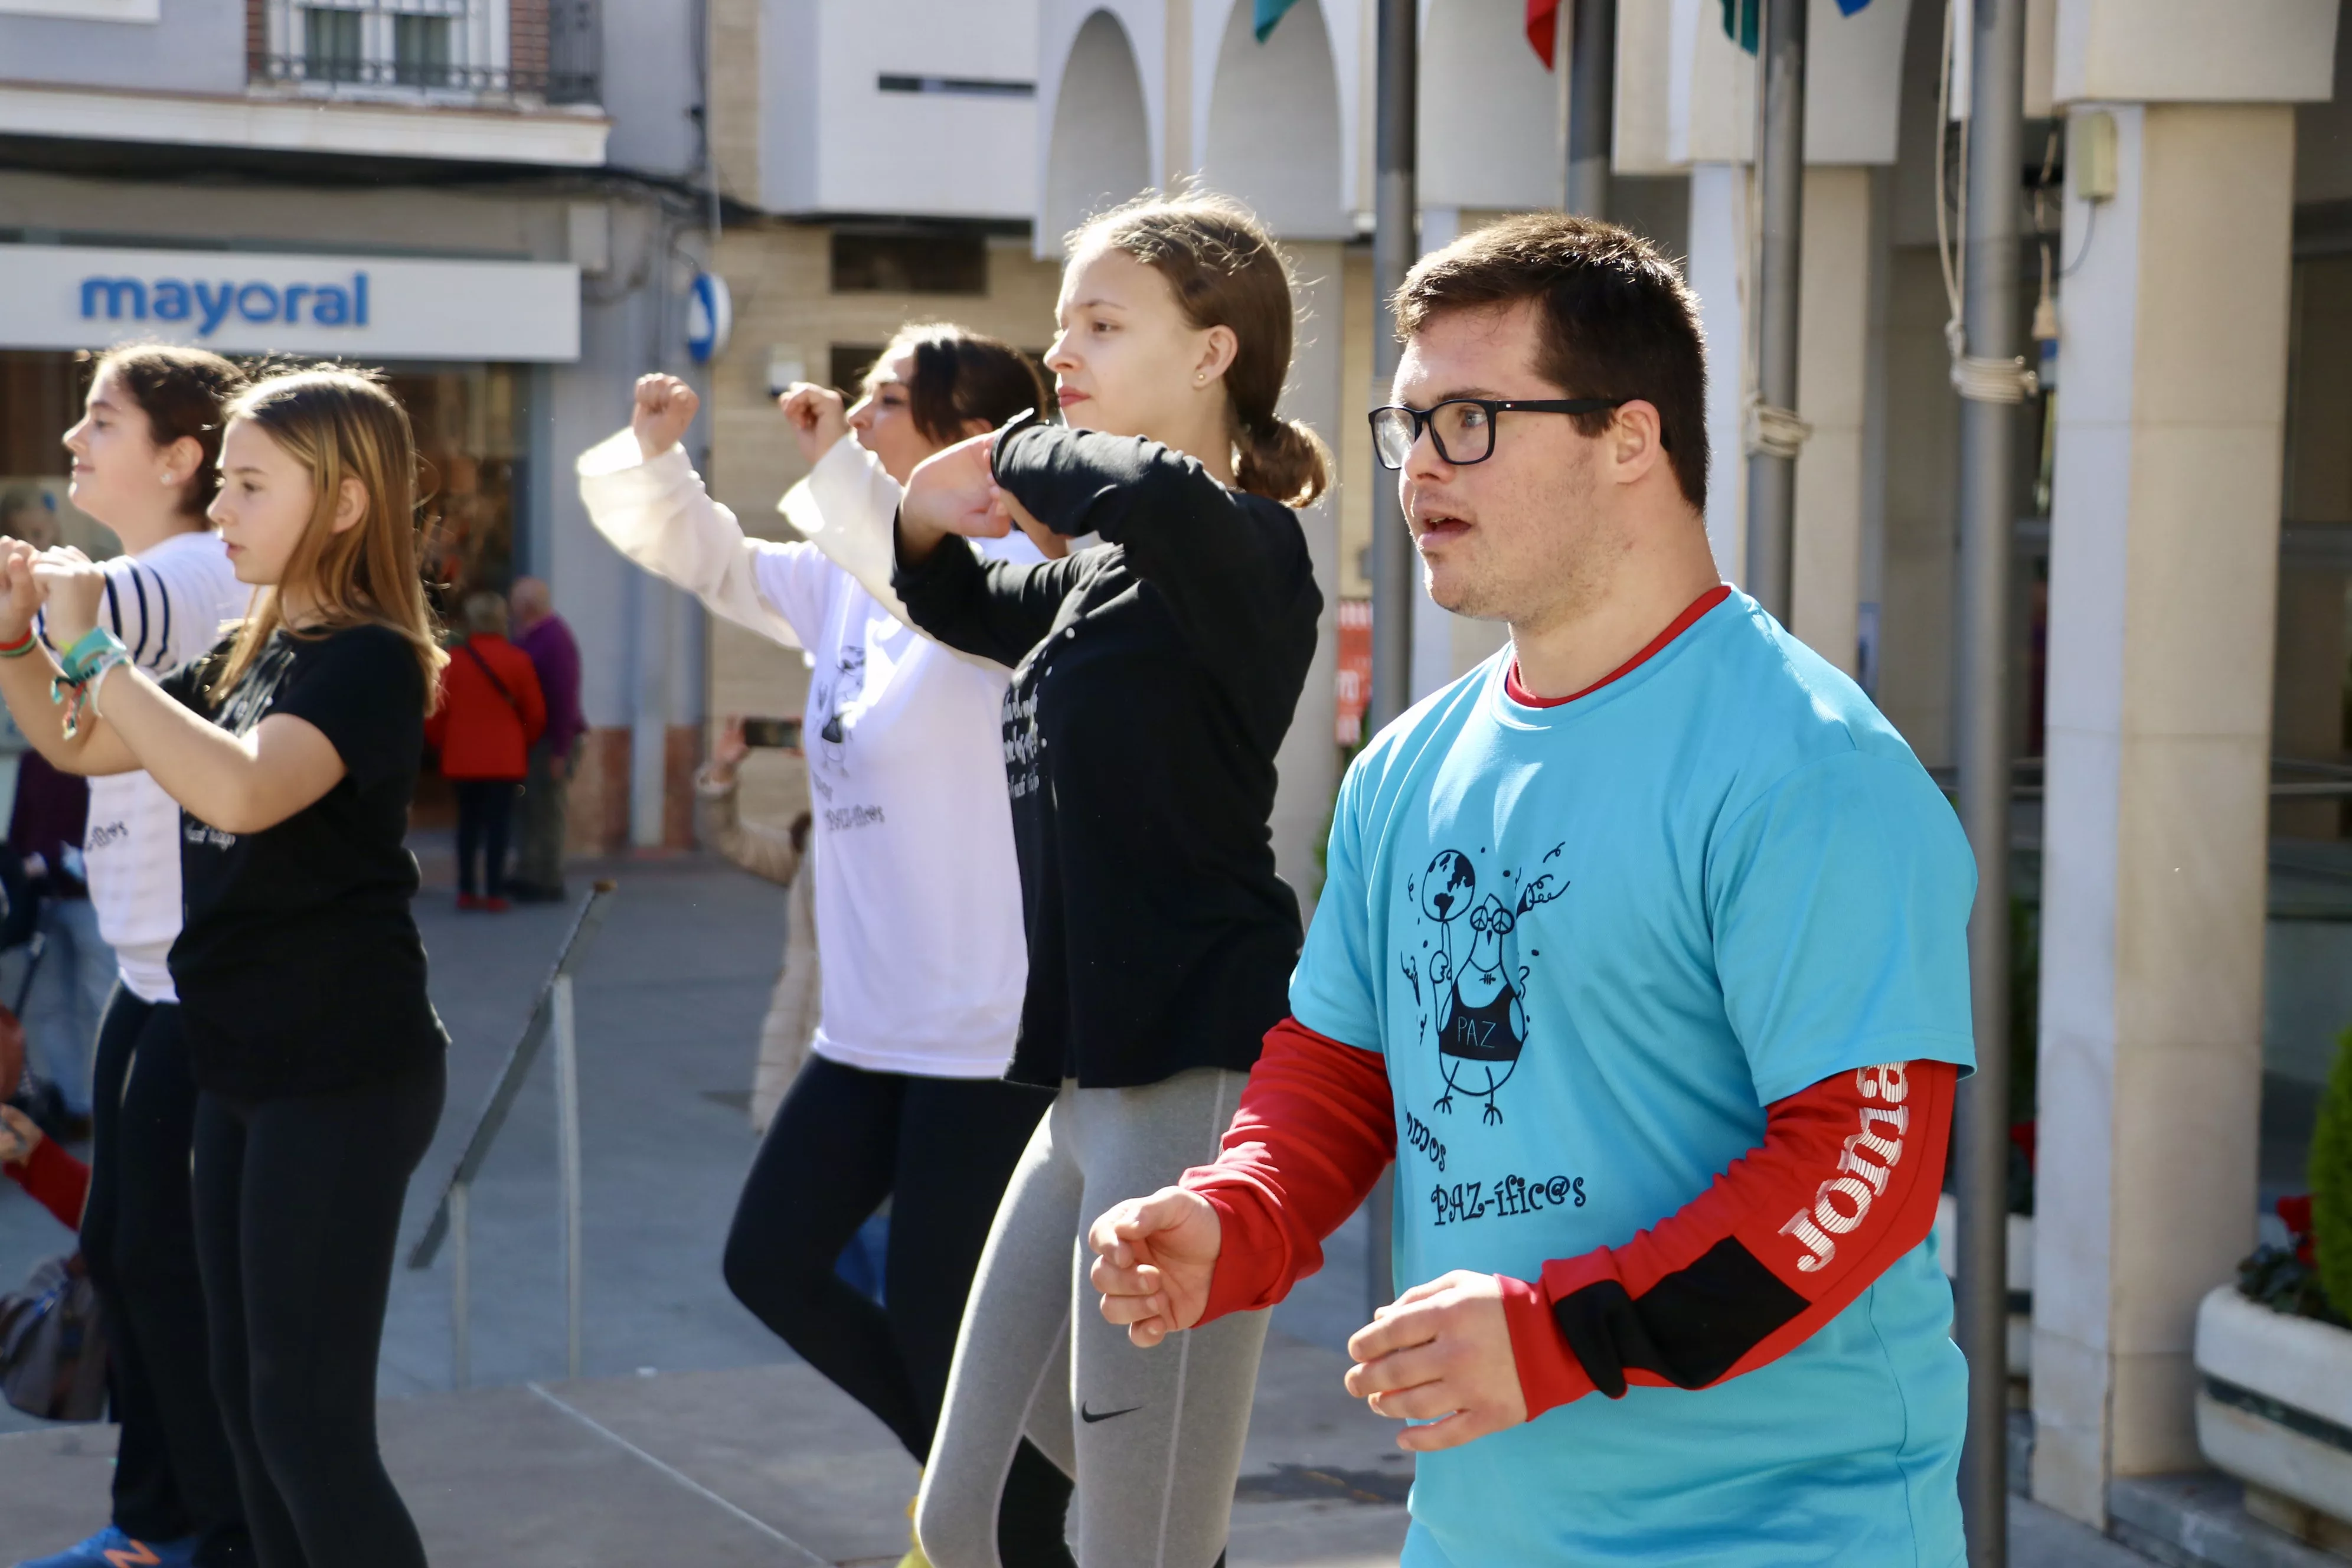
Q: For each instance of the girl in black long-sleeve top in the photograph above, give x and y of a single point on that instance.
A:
(1154, 679)
(1154, 675)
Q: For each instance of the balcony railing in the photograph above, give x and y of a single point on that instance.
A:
(435, 50)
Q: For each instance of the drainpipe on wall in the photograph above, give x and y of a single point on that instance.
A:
(1395, 247)
(1992, 382)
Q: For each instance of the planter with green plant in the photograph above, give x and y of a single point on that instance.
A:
(2274, 1350)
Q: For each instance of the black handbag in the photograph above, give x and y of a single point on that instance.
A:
(52, 1353)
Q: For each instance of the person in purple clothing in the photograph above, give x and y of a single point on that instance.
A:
(541, 633)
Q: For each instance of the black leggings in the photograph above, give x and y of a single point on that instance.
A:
(298, 1211)
(172, 1473)
(484, 808)
(941, 1150)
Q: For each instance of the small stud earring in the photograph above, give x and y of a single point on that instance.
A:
(165, 478)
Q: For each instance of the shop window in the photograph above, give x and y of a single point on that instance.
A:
(471, 484)
(40, 397)
(909, 263)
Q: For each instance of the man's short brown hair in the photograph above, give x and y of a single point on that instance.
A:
(1618, 319)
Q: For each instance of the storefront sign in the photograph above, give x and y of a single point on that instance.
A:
(68, 297)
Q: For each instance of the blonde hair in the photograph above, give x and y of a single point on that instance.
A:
(1226, 271)
(342, 423)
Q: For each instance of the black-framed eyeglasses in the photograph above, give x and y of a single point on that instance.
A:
(1464, 427)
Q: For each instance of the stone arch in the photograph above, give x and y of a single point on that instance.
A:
(1273, 123)
(1490, 131)
(1100, 150)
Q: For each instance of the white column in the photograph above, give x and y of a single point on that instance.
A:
(2163, 584)
(1832, 373)
(1718, 249)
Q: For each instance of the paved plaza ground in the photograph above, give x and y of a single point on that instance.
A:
(692, 1436)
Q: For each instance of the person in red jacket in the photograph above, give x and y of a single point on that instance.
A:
(39, 1164)
(492, 710)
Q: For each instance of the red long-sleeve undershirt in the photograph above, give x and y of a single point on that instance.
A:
(57, 1182)
(1787, 1238)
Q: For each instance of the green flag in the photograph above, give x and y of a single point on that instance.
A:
(1741, 18)
(1268, 13)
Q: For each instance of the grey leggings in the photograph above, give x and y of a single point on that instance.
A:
(1153, 1438)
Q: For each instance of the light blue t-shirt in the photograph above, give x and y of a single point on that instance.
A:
(1594, 941)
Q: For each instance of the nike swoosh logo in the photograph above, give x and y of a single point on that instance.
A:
(1089, 1417)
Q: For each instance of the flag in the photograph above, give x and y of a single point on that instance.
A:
(1267, 13)
(1543, 26)
(1741, 18)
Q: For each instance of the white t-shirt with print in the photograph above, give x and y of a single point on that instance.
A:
(917, 894)
(167, 603)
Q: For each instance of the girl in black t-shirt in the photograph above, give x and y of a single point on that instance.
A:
(292, 750)
(1154, 677)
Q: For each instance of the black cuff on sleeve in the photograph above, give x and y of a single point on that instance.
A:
(1690, 1328)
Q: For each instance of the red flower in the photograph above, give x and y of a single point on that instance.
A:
(2296, 1214)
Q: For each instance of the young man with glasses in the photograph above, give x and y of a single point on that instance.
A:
(1643, 953)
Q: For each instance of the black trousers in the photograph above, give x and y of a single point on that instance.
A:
(485, 808)
(941, 1150)
(172, 1473)
(298, 1211)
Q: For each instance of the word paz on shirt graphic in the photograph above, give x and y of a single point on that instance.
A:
(1479, 999)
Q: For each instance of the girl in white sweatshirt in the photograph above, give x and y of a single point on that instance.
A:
(917, 893)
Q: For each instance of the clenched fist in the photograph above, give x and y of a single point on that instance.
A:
(666, 407)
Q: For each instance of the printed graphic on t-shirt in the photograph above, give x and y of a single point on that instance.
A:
(829, 694)
(1023, 773)
(1468, 958)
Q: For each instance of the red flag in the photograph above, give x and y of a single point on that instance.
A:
(1543, 27)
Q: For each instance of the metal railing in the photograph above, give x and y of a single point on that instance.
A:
(549, 50)
(550, 1015)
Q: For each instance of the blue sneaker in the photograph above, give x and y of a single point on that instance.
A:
(110, 1548)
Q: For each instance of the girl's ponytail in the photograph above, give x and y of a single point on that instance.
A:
(1282, 460)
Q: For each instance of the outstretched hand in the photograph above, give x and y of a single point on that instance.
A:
(728, 751)
(818, 415)
(666, 407)
(20, 1136)
(954, 491)
(1441, 1353)
(71, 588)
(20, 596)
(1153, 1259)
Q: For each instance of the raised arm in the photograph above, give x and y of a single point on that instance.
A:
(1232, 566)
(163, 619)
(27, 669)
(239, 783)
(644, 496)
(847, 504)
(996, 609)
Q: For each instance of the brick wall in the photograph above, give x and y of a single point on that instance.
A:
(527, 45)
